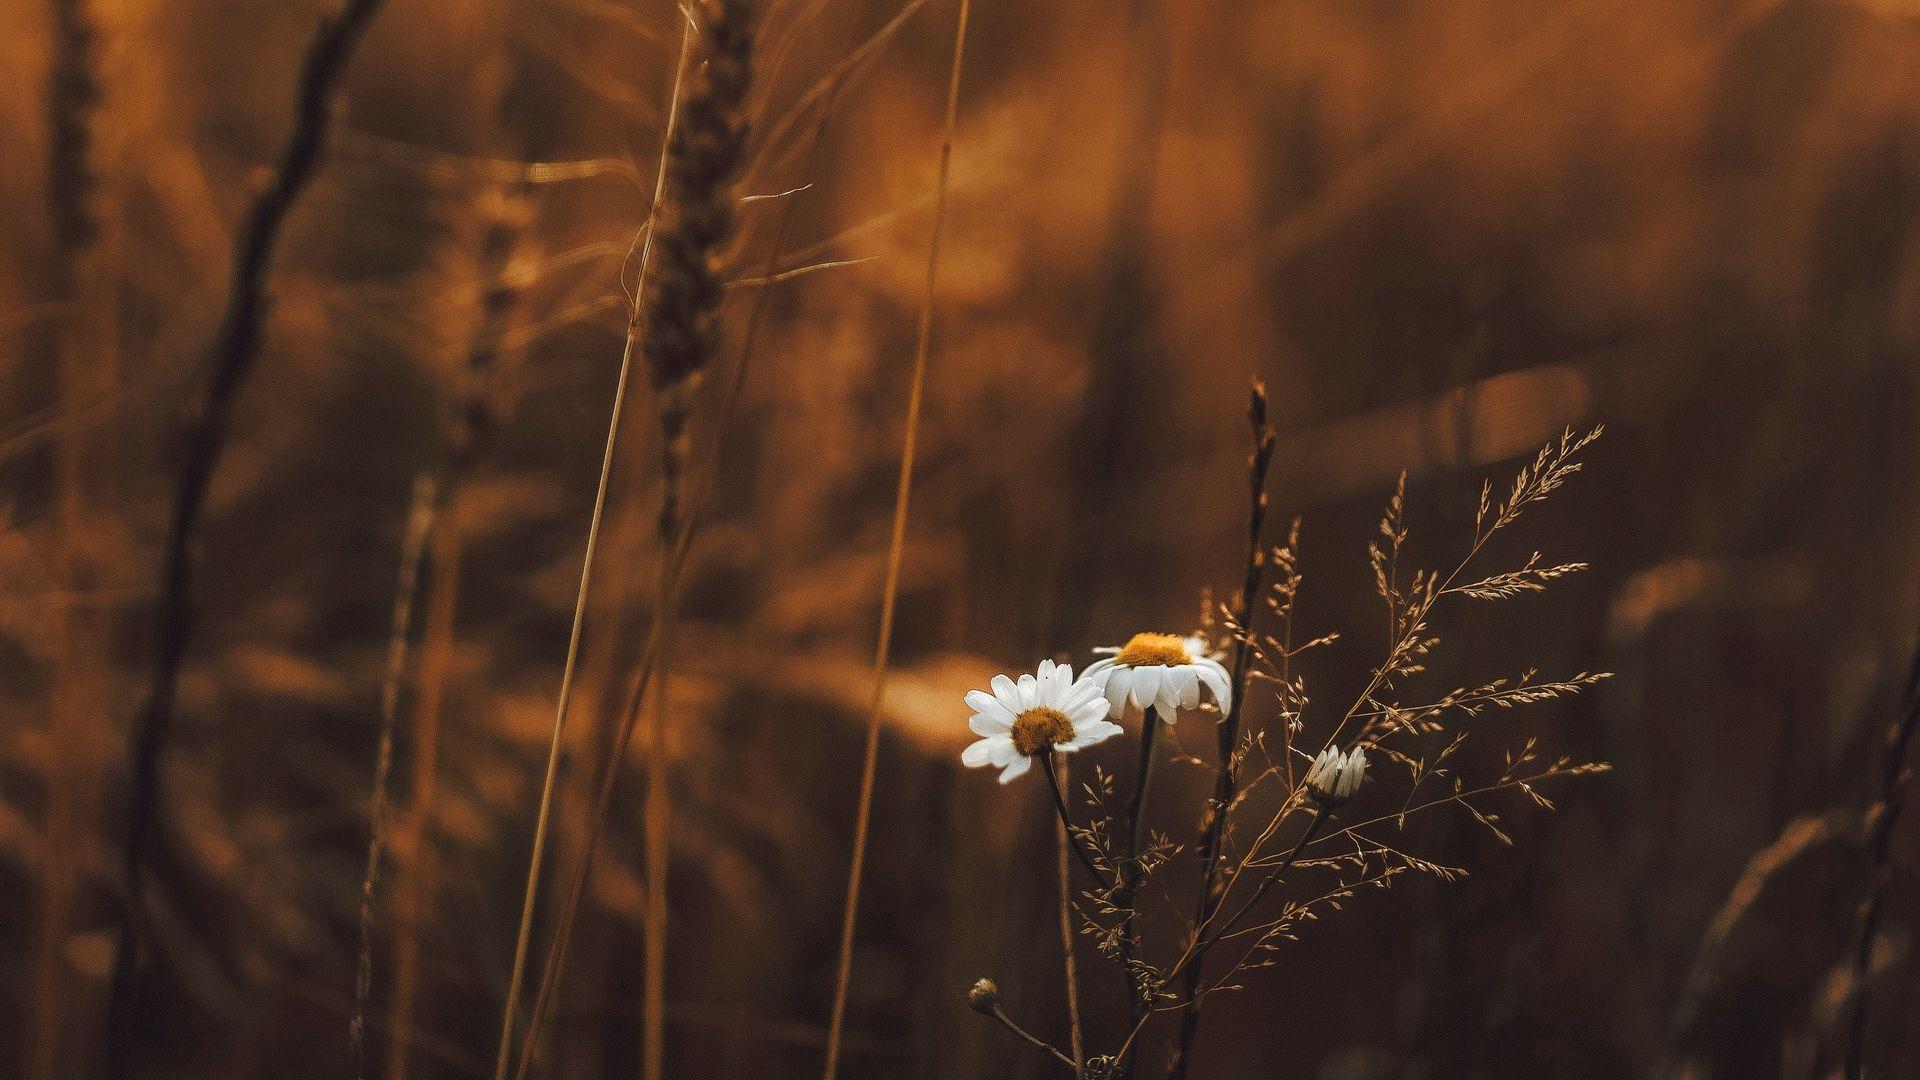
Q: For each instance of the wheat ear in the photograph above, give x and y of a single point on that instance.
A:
(679, 328)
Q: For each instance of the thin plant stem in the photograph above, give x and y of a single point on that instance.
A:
(1229, 729)
(1204, 941)
(654, 923)
(555, 967)
(1060, 808)
(843, 976)
(232, 356)
(1130, 869)
(86, 375)
(500, 296)
(1063, 835)
(1199, 951)
(1884, 815)
(544, 816)
(399, 640)
(1802, 835)
(642, 681)
(676, 316)
(1033, 1040)
(411, 882)
(569, 910)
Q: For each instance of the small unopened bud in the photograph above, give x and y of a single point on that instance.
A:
(983, 997)
(1104, 1067)
(1335, 776)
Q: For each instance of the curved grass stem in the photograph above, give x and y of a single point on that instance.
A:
(863, 816)
(1066, 822)
(543, 819)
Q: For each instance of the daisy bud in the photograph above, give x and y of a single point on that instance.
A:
(1335, 776)
(983, 997)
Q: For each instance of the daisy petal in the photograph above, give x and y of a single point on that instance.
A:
(982, 702)
(1003, 751)
(1088, 712)
(1169, 702)
(1215, 677)
(987, 724)
(1017, 769)
(1146, 685)
(1188, 681)
(977, 754)
(1117, 686)
(1085, 735)
(1079, 694)
(1007, 694)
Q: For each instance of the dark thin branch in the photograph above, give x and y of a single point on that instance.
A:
(1229, 727)
(1883, 816)
(235, 349)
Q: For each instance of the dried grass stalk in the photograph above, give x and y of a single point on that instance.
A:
(863, 816)
(85, 375)
(679, 312)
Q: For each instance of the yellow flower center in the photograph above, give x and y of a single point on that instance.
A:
(1036, 730)
(1154, 650)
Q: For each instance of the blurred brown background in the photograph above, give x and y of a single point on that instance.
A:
(1439, 231)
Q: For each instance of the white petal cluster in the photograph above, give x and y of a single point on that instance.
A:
(1074, 708)
(1166, 687)
(1335, 776)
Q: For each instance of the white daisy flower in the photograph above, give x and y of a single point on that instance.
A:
(1334, 776)
(1038, 715)
(1161, 671)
